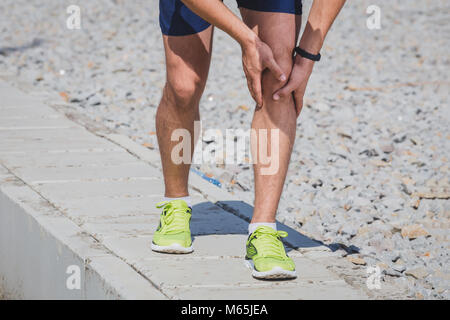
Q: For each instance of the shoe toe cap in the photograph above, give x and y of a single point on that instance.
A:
(267, 264)
(183, 239)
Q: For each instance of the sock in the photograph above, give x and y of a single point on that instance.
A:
(252, 226)
(187, 199)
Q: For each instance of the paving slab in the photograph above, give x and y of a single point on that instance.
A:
(93, 209)
(88, 199)
(108, 187)
(61, 159)
(303, 290)
(134, 248)
(35, 122)
(136, 170)
(25, 112)
(228, 271)
(61, 145)
(47, 134)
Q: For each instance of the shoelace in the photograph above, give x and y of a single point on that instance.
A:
(270, 241)
(173, 217)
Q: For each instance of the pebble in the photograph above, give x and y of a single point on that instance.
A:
(322, 107)
(387, 148)
(413, 231)
(418, 273)
(357, 261)
(398, 267)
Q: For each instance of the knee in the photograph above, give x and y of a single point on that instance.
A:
(283, 57)
(283, 54)
(184, 93)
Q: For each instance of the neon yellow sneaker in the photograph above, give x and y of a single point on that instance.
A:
(173, 234)
(266, 255)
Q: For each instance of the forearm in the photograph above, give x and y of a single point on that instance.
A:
(321, 17)
(216, 13)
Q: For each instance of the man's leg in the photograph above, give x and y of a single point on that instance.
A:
(187, 64)
(266, 254)
(280, 32)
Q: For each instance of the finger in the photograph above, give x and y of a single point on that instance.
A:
(252, 93)
(252, 84)
(257, 90)
(287, 89)
(298, 102)
(249, 84)
(275, 69)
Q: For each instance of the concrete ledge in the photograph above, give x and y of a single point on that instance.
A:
(38, 244)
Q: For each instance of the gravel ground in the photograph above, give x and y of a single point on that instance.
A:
(369, 173)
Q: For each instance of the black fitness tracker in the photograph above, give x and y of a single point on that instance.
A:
(307, 55)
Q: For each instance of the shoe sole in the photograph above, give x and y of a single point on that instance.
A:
(277, 273)
(173, 248)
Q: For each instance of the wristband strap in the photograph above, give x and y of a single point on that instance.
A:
(307, 55)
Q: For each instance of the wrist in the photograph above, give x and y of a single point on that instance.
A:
(304, 62)
(310, 49)
(311, 45)
(305, 54)
(248, 40)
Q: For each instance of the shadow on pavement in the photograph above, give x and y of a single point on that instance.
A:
(232, 217)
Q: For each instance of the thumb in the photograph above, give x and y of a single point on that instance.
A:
(285, 91)
(275, 69)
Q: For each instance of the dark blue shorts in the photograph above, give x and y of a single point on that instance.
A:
(176, 19)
